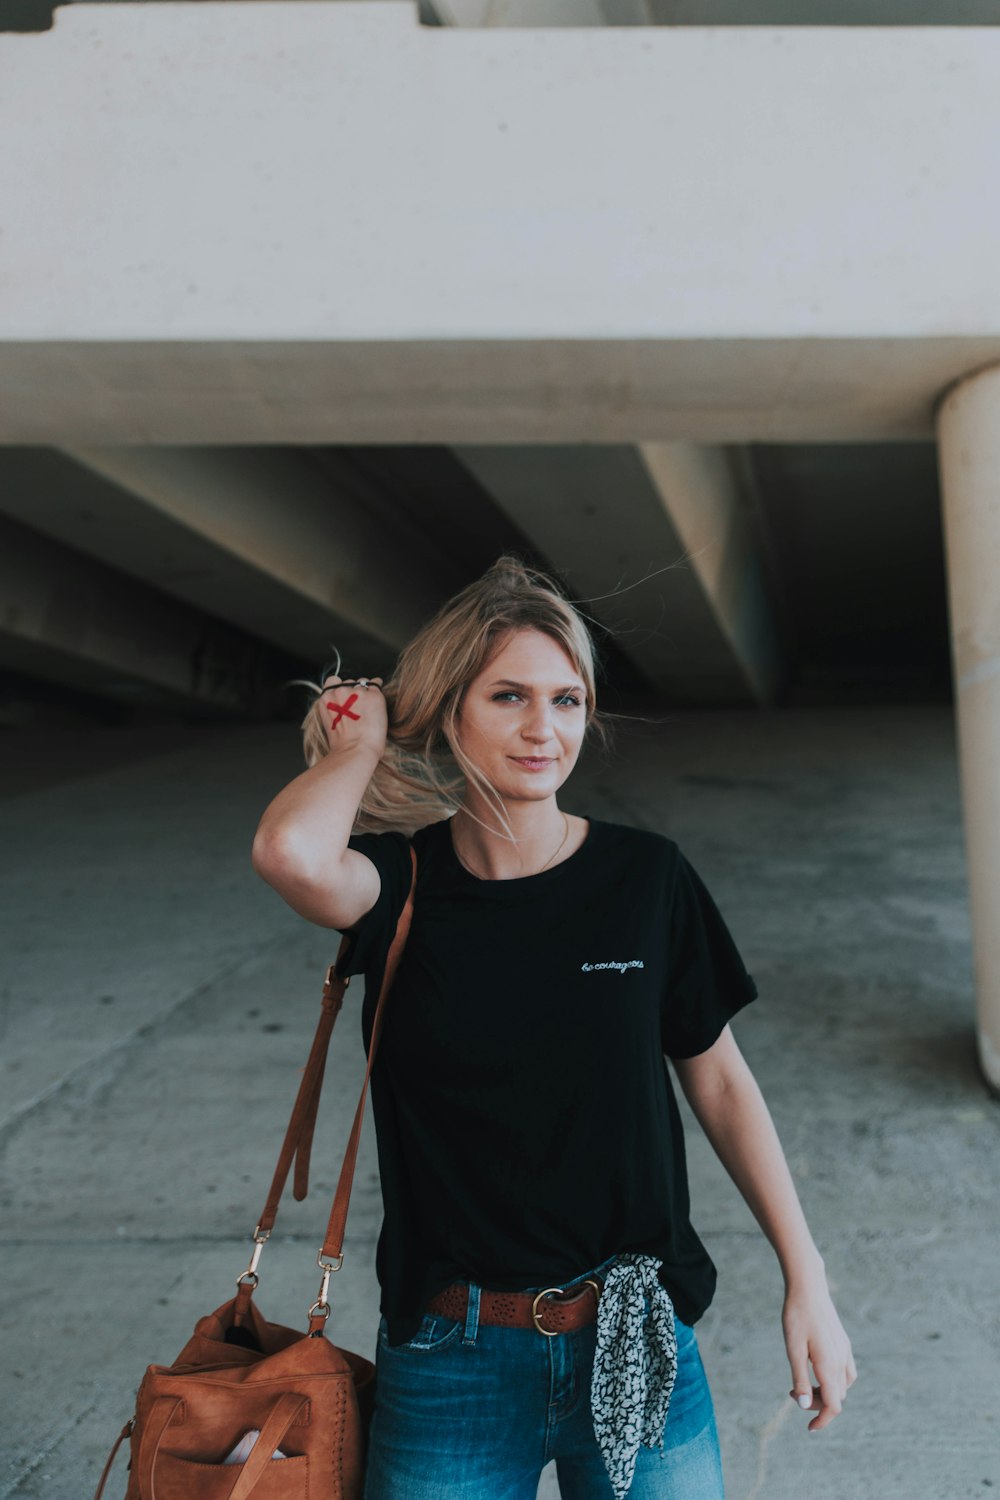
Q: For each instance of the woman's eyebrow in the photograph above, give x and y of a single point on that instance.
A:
(508, 682)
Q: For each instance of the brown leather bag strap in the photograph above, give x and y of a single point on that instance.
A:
(333, 1244)
(279, 1419)
(297, 1145)
(298, 1140)
(125, 1432)
(161, 1414)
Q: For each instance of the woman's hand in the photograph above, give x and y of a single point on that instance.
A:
(354, 715)
(814, 1332)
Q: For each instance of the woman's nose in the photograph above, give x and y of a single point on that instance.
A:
(537, 729)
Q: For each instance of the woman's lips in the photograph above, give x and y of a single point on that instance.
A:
(532, 765)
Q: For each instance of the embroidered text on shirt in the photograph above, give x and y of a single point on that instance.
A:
(633, 963)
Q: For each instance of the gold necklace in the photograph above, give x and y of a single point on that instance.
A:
(535, 872)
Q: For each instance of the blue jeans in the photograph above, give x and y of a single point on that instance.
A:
(474, 1411)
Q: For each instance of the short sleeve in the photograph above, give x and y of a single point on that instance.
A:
(371, 938)
(707, 981)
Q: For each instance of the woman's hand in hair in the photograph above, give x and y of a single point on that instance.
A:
(354, 716)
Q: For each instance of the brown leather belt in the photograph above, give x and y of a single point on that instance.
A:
(554, 1310)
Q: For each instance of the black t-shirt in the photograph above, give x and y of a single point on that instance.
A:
(526, 1123)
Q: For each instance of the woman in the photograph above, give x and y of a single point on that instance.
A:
(539, 1273)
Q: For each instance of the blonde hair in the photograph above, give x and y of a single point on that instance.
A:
(416, 782)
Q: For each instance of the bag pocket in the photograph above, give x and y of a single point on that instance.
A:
(188, 1479)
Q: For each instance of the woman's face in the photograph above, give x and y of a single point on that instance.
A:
(528, 702)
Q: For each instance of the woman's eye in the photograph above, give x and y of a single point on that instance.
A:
(566, 698)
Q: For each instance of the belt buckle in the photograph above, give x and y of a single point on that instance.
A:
(551, 1333)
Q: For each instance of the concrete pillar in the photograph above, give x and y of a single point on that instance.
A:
(968, 430)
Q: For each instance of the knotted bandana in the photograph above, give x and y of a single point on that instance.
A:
(635, 1365)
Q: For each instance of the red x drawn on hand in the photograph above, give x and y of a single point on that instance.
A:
(343, 710)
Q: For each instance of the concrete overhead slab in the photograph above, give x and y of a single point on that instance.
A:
(159, 1000)
(761, 233)
(714, 12)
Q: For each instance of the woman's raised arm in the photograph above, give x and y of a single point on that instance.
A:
(300, 847)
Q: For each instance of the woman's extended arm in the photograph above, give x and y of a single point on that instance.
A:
(730, 1108)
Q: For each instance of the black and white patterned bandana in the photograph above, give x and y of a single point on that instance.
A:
(635, 1365)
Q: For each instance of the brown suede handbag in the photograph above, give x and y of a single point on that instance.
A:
(238, 1373)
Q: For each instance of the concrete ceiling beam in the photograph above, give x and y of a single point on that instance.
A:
(702, 493)
(657, 543)
(311, 393)
(305, 557)
(69, 619)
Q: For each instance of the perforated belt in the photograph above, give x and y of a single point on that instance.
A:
(554, 1310)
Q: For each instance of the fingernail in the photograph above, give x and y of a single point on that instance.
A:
(805, 1402)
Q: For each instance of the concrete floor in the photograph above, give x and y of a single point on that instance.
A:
(159, 999)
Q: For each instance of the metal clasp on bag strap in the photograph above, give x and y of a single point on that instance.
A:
(249, 1277)
(321, 1307)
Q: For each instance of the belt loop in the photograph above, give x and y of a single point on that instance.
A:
(472, 1314)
